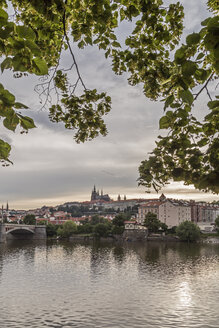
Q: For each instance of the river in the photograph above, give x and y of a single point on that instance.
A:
(102, 285)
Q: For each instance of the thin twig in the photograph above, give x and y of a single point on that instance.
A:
(208, 93)
(70, 49)
(209, 79)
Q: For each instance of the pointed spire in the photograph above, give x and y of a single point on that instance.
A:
(94, 188)
(119, 198)
(162, 197)
(124, 197)
(7, 207)
(101, 192)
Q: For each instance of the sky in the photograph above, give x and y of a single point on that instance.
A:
(50, 168)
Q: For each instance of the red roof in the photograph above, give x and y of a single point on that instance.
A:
(152, 204)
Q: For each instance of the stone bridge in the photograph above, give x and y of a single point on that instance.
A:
(21, 231)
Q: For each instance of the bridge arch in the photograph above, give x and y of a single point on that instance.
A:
(19, 230)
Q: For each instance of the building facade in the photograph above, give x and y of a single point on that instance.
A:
(169, 211)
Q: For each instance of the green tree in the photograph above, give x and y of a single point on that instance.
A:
(217, 223)
(95, 219)
(118, 230)
(102, 229)
(29, 219)
(120, 219)
(67, 229)
(188, 231)
(85, 228)
(163, 226)
(51, 230)
(151, 222)
(177, 73)
(43, 222)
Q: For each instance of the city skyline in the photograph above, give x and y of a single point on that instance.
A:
(170, 193)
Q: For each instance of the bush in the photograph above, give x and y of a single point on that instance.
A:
(67, 229)
(188, 231)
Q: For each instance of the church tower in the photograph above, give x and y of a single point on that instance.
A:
(94, 193)
(119, 198)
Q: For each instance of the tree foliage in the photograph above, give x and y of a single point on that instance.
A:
(51, 229)
(29, 219)
(119, 219)
(152, 222)
(34, 37)
(217, 222)
(188, 231)
(67, 229)
(102, 229)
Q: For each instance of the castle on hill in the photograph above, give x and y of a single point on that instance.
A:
(95, 195)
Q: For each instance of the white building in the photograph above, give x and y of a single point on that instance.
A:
(169, 211)
(173, 212)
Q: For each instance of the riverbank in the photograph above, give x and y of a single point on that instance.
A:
(133, 238)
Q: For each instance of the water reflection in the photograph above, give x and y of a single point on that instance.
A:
(102, 285)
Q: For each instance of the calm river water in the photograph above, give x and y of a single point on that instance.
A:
(91, 285)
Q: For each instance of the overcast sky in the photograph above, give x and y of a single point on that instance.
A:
(50, 168)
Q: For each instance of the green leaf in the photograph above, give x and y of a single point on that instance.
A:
(27, 122)
(7, 97)
(7, 63)
(180, 55)
(19, 105)
(201, 74)
(18, 64)
(41, 65)
(11, 121)
(3, 15)
(33, 47)
(186, 96)
(193, 39)
(25, 32)
(188, 68)
(1, 88)
(5, 149)
(205, 22)
(164, 122)
(116, 44)
(200, 56)
(168, 101)
(213, 104)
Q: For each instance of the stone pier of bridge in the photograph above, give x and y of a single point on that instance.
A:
(2, 233)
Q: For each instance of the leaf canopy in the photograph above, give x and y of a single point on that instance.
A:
(33, 42)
